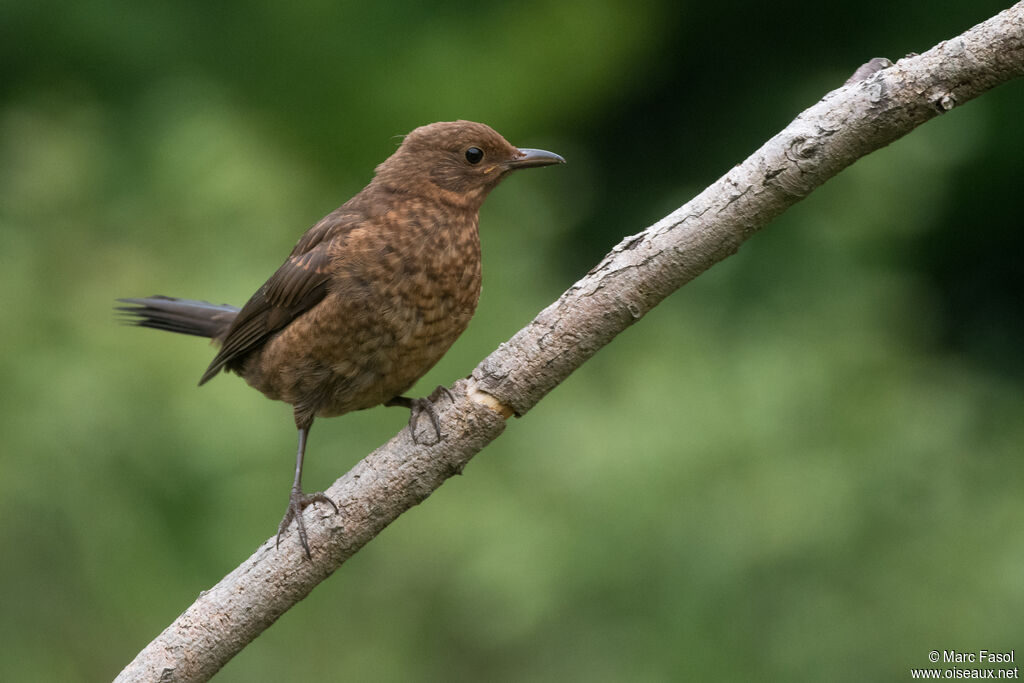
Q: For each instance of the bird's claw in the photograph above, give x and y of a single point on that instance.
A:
(298, 502)
(426, 405)
(419, 406)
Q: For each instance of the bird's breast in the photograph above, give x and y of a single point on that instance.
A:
(402, 290)
(395, 306)
(434, 292)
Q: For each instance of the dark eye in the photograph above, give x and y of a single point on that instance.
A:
(474, 155)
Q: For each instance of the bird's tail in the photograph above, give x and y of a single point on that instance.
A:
(184, 316)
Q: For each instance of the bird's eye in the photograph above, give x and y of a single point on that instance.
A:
(474, 155)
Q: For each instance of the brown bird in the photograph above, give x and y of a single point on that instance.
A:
(371, 297)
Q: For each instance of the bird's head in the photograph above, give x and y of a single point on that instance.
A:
(457, 161)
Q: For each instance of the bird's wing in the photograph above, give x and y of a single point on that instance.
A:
(298, 285)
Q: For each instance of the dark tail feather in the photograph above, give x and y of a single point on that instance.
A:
(184, 316)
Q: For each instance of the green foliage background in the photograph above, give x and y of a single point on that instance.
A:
(806, 465)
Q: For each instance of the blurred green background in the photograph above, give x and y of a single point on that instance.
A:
(805, 465)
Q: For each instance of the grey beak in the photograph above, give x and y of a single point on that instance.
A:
(528, 158)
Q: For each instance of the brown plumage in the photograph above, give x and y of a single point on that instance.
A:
(371, 297)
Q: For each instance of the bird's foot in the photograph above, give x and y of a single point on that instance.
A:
(298, 502)
(419, 406)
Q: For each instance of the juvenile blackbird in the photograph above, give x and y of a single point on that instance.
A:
(371, 297)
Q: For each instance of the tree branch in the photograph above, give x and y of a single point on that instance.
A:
(879, 105)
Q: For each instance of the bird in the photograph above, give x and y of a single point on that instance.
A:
(370, 298)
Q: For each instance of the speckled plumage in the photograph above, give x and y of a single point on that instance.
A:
(402, 287)
(372, 295)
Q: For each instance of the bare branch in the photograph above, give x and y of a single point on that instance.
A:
(879, 105)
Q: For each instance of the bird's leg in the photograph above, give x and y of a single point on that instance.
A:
(298, 501)
(418, 406)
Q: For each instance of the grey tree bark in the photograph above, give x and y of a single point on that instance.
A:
(879, 104)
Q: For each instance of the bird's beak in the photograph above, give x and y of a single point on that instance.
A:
(528, 158)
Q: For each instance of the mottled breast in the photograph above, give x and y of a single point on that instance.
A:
(404, 286)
